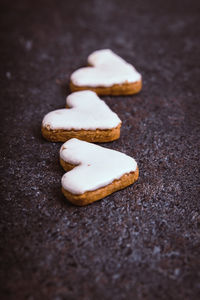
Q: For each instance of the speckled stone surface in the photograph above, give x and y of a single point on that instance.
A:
(142, 242)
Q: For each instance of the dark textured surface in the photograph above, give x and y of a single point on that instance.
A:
(144, 241)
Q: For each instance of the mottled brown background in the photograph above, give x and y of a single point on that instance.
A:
(142, 242)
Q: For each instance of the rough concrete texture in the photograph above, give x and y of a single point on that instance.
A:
(144, 241)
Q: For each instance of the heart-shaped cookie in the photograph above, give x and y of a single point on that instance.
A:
(95, 171)
(108, 74)
(86, 117)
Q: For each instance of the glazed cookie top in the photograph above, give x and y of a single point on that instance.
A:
(96, 166)
(86, 111)
(107, 69)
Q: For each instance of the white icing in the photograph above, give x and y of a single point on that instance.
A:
(107, 69)
(96, 166)
(87, 111)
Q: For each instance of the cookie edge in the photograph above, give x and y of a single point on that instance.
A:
(126, 88)
(95, 136)
(92, 196)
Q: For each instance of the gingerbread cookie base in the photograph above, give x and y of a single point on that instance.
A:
(95, 136)
(92, 196)
(114, 90)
